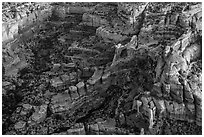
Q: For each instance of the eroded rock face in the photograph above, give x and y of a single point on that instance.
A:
(108, 34)
(40, 114)
(20, 125)
(17, 31)
(150, 84)
(105, 127)
(93, 20)
(129, 12)
(60, 102)
(26, 22)
(77, 129)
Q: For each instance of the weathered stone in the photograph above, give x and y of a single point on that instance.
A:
(122, 118)
(31, 19)
(60, 107)
(169, 106)
(61, 133)
(151, 104)
(96, 76)
(59, 12)
(18, 109)
(65, 78)
(60, 98)
(26, 109)
(136, 104)
(81, 88)
(129, 12)
(108, 36)
(182, 65)
(199, 121)
(190, 112)
(102, 87)
(142, 132)
(151, 118)
(78, 9)
(73, 76)
(89, 88)
(20, 125)
(67, 91)
(166, 90)
(157, 89)
(56, 67)
(12, 30)
(179, 111)
(13, 68)
(86, 73)
(185, 39)
(195, 11)
(107, 126)
(137, 121)
(144, 101)
(27, 106)
(173, 78)
(4, 91)
(198, 97)
(69, 65)
(6, 59)
(8, 85)
(188, 95)
(73, 92)
(83, 107)
(60, 103)
(177, 92)
(93, 127)
(5, 36)
(106, 75)
(43, 15)
(56, 82)
(11, 133)
(149, 113)
(93, 20)
(95, 133)
(77, 129)
(28, 34)
(40, 115)
(198, 113)
(72, 88)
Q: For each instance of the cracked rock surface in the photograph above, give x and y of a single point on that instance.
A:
(112, 68)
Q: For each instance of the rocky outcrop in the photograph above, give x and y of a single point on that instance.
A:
(16, 32)
(109, 35)
(16, 27)
(93, 20)
(77, 129)
(105, 127)
(175, 72)
(144, 88)
(40, 114)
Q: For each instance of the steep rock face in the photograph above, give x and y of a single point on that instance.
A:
(73, 85)
(16, 26)
(15, 32)
(177, 66)
(129, 12)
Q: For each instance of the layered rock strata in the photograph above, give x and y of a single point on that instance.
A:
(141, 86)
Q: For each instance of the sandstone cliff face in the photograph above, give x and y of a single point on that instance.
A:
(102, 68)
